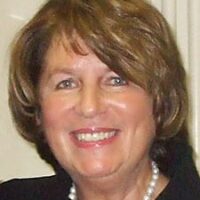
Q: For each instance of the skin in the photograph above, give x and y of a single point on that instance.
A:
(81, 92)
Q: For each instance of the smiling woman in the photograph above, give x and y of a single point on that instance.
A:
(93, 99)
(99, 87)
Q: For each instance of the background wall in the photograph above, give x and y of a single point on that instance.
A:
(18, 158)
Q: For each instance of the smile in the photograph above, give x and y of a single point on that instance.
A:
(96, 136)
(92, 137)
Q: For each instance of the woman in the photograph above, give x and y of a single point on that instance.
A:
(99, 87)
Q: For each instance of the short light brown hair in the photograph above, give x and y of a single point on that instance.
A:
(130, 36)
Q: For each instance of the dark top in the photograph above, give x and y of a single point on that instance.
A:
(184, 184)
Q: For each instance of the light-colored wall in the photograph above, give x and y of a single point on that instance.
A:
(17, 157)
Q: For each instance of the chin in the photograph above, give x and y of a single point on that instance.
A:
(96, 170)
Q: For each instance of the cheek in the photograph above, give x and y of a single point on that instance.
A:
(54, 109)
(138, 122)
(135, 107)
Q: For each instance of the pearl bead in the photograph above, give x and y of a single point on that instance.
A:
(146, 198)
(72, 196)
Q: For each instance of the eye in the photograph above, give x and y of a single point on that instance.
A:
(117, 81)
(69, 83)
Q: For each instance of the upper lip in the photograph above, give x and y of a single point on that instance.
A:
(93, 130)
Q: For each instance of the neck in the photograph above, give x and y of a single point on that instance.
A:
(116, 186)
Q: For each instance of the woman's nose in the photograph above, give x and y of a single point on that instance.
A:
(91, 102)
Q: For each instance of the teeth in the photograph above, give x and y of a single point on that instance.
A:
(93, 137)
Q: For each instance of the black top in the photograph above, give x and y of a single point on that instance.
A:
(184, 184)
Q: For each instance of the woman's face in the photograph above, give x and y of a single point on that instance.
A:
(96, 123)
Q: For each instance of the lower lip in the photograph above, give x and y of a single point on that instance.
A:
(96, 144)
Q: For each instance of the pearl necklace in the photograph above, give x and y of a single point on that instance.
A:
(149, 192)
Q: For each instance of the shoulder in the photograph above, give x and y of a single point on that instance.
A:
(184, 179)
(32, 188)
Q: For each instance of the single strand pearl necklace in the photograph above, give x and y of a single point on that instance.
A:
(149, 192)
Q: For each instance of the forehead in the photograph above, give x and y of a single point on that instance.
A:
(61, 56)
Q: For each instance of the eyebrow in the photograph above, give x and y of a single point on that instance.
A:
(62, 69)
(58, 70)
